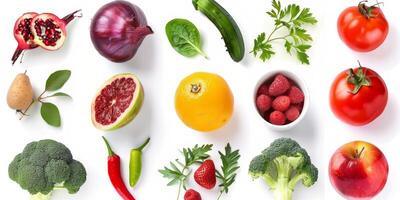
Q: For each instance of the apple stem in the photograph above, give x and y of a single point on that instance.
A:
(358, 154)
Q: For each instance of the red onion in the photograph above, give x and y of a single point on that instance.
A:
(118, 29)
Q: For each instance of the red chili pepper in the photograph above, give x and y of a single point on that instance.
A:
(114, 172)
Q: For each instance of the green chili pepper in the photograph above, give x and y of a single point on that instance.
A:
(135, 164)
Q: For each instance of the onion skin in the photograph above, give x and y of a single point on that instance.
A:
(117, 30)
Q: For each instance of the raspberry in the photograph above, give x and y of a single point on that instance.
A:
(263, 103)
(299, 106)
(263, 89)
(292, 114)
(296, 95)
(192, 195)
(281, 103)
(277, 118)
(279, 86)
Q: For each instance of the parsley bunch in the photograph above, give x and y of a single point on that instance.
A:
(292, 19)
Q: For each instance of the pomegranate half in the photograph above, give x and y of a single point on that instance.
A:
(117, 102)
(49, 31)
(22, 31)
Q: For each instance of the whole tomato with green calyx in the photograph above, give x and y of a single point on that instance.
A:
(363, 28)
(358, 96)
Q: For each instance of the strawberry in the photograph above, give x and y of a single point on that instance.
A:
(263, 103)
(277, 118)
(293, 113)
(281, 103)
(205, 175)
(296, 95)
(263, 89)
(279, 86)
(192, 195)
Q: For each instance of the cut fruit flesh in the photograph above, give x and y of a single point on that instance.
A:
(22, 31)
(117, 102)
(49, 31)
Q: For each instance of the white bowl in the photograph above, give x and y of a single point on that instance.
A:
(302, 86)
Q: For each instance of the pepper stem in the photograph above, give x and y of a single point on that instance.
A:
(140, 148)
(110, 151)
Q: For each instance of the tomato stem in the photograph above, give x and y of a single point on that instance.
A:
(358, 79)
(367, 10)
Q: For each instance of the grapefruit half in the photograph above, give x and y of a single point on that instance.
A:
(117, 102)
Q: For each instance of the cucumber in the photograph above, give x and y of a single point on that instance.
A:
(226, 25)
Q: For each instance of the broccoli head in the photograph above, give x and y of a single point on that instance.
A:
(44, 166)
(282, 165)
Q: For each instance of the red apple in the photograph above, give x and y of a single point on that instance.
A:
(358, 170)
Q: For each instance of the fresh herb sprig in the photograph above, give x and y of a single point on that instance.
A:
(229, 168)
(296, 40)
(179, 170)
(49, 111)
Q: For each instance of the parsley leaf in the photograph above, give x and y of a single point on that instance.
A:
(263, 47)
(293, 18)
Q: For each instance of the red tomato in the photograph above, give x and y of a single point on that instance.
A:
(362, 28)
(358, 96)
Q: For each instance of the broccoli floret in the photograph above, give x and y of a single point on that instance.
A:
(57, 171)
(77, 177)
(44, 166)
(13, 167)
(282, 165)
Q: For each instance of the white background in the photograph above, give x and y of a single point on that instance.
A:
(160, 69)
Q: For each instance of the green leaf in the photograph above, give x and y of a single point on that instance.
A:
(289, 22)
(178, 172)
(50, 114)
(288, 47)
(303, 57)
(306, 17)
(262, 48)
(303, 47)
(276, 4)
(229, 168)
(57, 79)
(59, 94)
(272, 13)
(293, 10)
(197, 154)
(301, 34)
(184, 37)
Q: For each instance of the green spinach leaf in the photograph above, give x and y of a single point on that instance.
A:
(184, 37)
